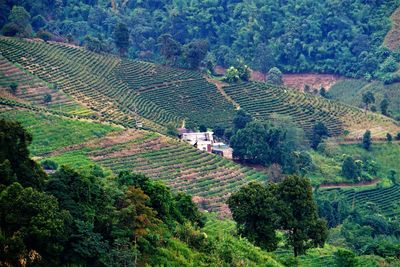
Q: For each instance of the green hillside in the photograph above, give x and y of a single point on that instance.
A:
(123, 91)
(262, 101)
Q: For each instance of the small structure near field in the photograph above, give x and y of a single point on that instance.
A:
(223, 150)
(203, 141)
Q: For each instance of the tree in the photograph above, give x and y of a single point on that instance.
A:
(368, 98)
(259, 143)
(274, 76)
(232, 75)
(298, 215)
(389, 137)
(253, 208)
(243, 71)
(19, 23)
(393, 176)
(384, 106)
(319, 132)
(32, 227)
(47, 98)
(169, 48)
(13, 88)
(14, 156)
(241, 119)
(171, 130)
(345, 258)
(219, 131)
(366, 142)
(349, 169)
(202, 128)
(194, 52)
(121, 38)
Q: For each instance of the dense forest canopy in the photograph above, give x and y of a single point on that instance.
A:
(341, 36)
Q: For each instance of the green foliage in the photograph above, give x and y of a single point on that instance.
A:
(345, 258)
(170, 49)
(368, 98)
(241, 119)
(232, 75)
(121, 38)
(319, 133)
(194, 52)
(14, 156)
(48, 164)
(260, 210)
(350, 169)
(13, 87)
(30, 220)
(47, 98)
(171, 130)
(389, 137)
(274, 76)
(384, 106)
(253, 208)
(19, 23)
(299, 215)
(366, 141)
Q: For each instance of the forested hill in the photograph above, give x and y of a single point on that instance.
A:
(344, 37)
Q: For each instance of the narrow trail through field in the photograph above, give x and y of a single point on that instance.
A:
(220, 85)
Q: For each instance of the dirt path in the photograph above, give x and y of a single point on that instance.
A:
(344, 185)
(219, 85)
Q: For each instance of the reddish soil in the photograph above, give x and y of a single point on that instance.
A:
(297, 81)
(392, 39)
(315, 81)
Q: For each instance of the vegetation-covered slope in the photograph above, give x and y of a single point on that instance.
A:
(341, 37)
(262, 101)
(79, 144)
(351, 91)
(123, 91)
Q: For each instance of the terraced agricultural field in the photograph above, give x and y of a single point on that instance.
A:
(208, 177)
(77, 143)
(121, 90)
(263, 100)
(32, 90)
(386, 199)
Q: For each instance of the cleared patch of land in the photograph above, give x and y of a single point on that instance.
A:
(392, 39)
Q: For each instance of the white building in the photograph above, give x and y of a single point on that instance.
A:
(203, 141)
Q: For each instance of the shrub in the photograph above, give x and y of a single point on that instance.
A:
(48, 164)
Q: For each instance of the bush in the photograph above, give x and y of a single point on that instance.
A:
(345, 258)
(13, 88)
(48, 164)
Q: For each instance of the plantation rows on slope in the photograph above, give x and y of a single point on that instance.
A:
(262, 101)
(121, 90)
(387, 199)
(208, 177)
(33, 90)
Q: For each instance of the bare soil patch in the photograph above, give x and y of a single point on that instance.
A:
(392, 39)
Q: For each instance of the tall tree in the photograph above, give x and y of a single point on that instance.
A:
(384, 106)
(368, 98)
(169, 48)
(274, 76)
(32, 227)
(253, 208)
(121, 38)
(319, 132)
(14, 156)
(241, 119)
(366, 141)
(195, 52)
(19, 23)
(298, 214)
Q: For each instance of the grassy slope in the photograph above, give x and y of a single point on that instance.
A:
(329, 168)
(350, 92)
(52, 132)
